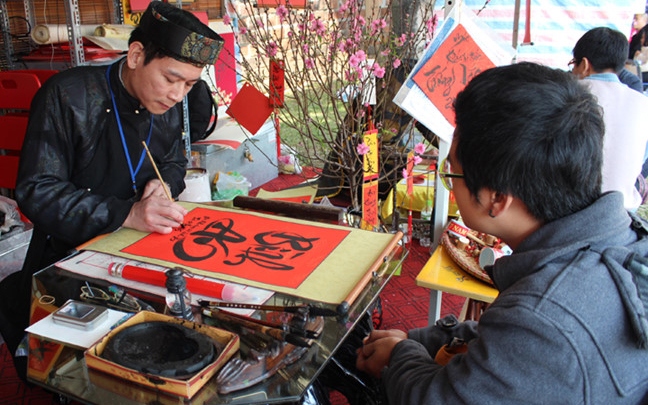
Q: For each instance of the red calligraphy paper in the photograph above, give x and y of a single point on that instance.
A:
(276, 83)
(266, 250)
(225, 70)
(370, 203)
(250, 108)
(450, 68)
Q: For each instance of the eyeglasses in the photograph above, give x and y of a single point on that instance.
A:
(445, 175)
(573, 63)
(115, 298)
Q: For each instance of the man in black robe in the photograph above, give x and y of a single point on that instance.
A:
(84, 170)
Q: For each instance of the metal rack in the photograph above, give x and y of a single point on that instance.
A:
(111, 11)
(7, 61)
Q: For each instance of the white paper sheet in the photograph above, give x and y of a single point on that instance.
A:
(69, 335)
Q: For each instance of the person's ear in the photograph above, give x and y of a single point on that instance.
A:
(135, 54)
(499, 203)
(586, 67)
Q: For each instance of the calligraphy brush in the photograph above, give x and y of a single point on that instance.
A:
(276, 333)
(309, 334)
(164, 186)
(312, 310)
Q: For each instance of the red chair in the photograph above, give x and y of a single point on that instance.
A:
(16, 92)
(42, 74)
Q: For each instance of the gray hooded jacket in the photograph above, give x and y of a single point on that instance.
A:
(568, 326)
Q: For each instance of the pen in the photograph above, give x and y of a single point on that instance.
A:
(209, 288)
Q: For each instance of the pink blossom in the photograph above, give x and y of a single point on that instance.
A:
(357, 58)
(318, 27)
(357, 36)
(305, 48)
(227, 20)
(378, 70)
(429, 24)
(243, 30)
(309, 63)
(396, 63)
(405, 173)
(417, 160)
(347, 45)
(259, 22)
(282, 13)
(377, 26)
(363, 149)
(400, 41)
(419, 148)
(272, 49)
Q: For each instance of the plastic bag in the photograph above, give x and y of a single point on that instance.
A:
(229, 185)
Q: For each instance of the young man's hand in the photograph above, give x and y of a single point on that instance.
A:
(375, 353)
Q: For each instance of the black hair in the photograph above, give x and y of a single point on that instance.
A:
(175, 15)
(532, 132)
(605, 48)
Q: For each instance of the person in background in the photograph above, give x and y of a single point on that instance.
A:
(637, 38)
(598, 56)
(568, 325)
(84, 170)
(631, 80)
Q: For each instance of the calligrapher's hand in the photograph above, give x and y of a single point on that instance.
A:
(376, 350)
(154, 188)
(154, 212)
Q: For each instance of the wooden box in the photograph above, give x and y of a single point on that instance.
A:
(184, 388)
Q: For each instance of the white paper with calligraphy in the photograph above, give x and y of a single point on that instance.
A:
(462, 48)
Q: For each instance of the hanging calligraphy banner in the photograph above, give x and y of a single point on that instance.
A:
(462, 47)
(450, 68)
(370, 203)
(317, 261)
(370, 159)
(277, 83)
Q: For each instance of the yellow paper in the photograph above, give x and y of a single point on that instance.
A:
(370, 159)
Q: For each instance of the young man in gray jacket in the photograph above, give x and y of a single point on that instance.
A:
(569, 325)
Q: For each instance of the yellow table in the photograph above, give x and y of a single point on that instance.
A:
(442, 274)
